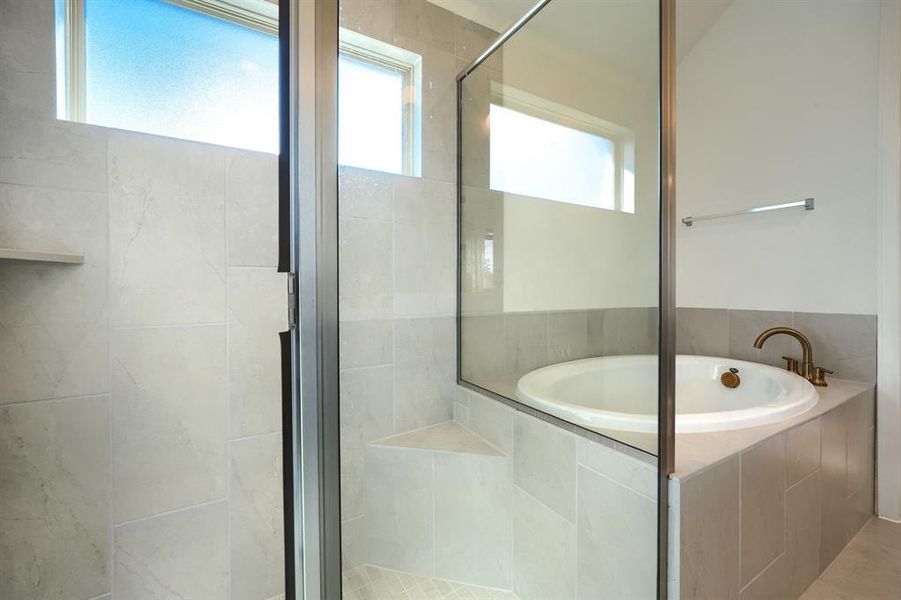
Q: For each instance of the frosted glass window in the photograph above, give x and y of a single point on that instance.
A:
(370, 116)
(539, 158)
(155, 67)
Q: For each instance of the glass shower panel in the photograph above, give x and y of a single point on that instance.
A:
(559, 241)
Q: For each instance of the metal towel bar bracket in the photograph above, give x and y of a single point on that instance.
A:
(806, 204)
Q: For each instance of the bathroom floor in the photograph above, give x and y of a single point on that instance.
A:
(374, 583)
(868, 568)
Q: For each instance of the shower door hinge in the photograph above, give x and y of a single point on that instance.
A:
(292, 301)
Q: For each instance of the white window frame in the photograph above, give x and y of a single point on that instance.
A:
(358, 47)
(623, 138)
(261, 15)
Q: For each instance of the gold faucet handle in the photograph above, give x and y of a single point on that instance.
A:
(791, 364)
(819, 376)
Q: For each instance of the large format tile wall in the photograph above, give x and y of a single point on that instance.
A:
(504, 346)
(766, 522)
(398, 258)
(139, 398)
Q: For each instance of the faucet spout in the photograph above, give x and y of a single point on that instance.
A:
(806, 348)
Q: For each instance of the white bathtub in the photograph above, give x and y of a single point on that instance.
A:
(620, 392)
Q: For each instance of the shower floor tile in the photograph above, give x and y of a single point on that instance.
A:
(375, 583)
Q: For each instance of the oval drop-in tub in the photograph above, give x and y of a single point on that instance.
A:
(620, 393)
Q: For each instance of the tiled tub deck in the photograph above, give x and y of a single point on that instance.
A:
(499, 503)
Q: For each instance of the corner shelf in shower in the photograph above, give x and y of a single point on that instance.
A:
(41, 256)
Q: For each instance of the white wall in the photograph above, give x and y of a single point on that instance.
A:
(778, 102)
(559, 256)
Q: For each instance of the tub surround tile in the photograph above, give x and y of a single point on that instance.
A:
(544, 464)
(859, 415)
(617, 539)
(762, 506)
(567, 334)
(844, 343)
(483, 354)
(169, 418)
(802, 534)
(631, 473)
(834, 482)
(544, 551)
(251, 190)
(768, 585)
(493, 421)
(54, 465)
(746, 325)
(256, 560)
(702, 331)
(167, 237)
(256, 314)
(709, 529)
(802, 452)
(624, 331)
(525, 342)
(181, 554)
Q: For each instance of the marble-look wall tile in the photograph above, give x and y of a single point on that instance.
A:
(367, 414)
(374, 19)
(770, 584)
(544, 463)
(256, 561)
(251, 191)
(54, 469)
(423, 371)
(802, 534)
(365, 194)
(167, 237)
(367, 269)
(472, 39)
(482, 353)
(425, 230)
(425, 22)
(399, 509)
(169, 418)
(617, 539)
(26, 34)
(257, 312)
(702, 331)
(493, 421)
(746, 325)
(802, 451)
(762, 506)
(544, 551)
(621, 331)
(41, 151)
(473, 527)
(631, 473)
(833, 478)
(567, 334)
(53, 318)
(845, 344)
(353, 542)
(525, 339)
(366, 343)
(177, 555)
(709, 528)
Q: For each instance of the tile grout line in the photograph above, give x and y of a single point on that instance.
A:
(109, 377)
(226, 167)
(170, 512)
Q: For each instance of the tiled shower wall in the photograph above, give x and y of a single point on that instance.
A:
(398, 258)
(139, 395)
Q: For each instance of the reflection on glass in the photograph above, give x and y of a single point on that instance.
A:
(559, 218)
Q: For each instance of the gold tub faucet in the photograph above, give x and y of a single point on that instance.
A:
(806, 369)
